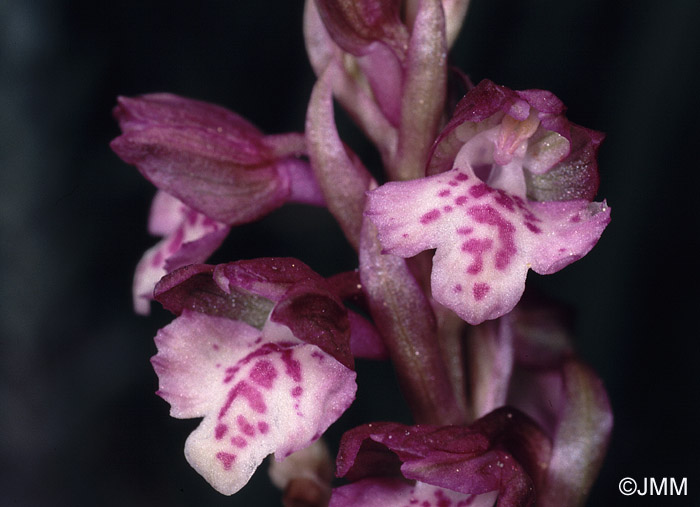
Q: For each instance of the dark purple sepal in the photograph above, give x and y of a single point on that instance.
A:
(365, 340)
(285, 290)
(269, 277)
(194, 288)
(354, 25)
(304, 301)
(208, 157)
(503, 451)
(315, 316)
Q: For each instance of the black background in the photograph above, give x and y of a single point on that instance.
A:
(79, 423)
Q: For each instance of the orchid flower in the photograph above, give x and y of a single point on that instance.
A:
(496, 459)
(263, 350)
(211, 159)
(264, 377)
(214, 170)
(510, 189)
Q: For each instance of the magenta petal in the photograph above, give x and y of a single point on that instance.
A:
(284, 289)
(258, 392)
(269, 277)
(210, 158)
(500, 452)
(486, 238)
(393, 492)
(191, 238)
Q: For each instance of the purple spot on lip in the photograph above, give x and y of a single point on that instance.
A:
(452, 183)
(533, 227)
(263, 427)
(239, 441)
(251, 394)
(447, 209)
(506, 233)
(264, 350)
(296, 392)
(576, 218)
(226, 459)
(480, 190)
(292, 366)
(505, 201)
(245, 427)
(215, 346)
(476, 247)
(444, 193)
(430, 216)
(457, 288)
(263, 373)
(465, 230)
(461, 177)
(480, 290)
(461, 200)
(220, 431)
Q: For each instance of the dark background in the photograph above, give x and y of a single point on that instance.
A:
(79, 423)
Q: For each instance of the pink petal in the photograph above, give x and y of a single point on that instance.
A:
(166, 214)
(258, 392)
(388, 492)
(486, 238)
(191, 238)
(212, 159)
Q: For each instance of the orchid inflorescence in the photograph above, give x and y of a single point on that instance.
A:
(477, 192)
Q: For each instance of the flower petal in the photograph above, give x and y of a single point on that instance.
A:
(191, 238)
(210, 158)
(258, 392)
(486, 238)
(393, 492)
(499, 452)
